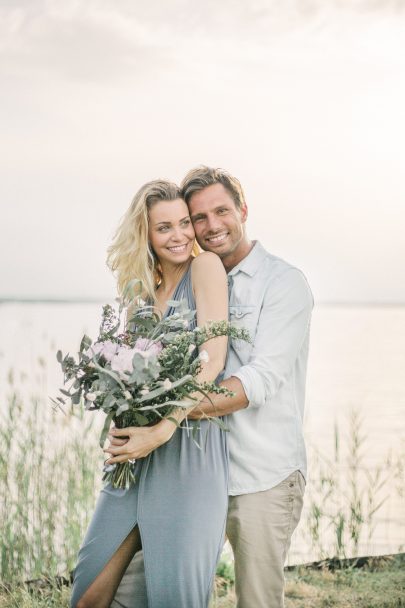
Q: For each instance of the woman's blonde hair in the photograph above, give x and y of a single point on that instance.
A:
(130, 255)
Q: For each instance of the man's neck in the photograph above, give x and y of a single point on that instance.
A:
(236, 256)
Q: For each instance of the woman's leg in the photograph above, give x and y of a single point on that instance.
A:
(101, 592)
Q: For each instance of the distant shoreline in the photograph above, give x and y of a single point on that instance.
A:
(55, 300)
(50, 300)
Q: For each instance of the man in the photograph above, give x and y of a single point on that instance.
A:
(273, 301)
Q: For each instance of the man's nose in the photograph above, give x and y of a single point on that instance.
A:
(213, 223)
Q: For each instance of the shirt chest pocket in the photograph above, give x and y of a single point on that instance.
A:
(243, 316)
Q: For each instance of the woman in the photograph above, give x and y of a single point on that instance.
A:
(176, 511)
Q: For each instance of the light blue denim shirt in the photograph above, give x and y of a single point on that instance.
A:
(272, 299)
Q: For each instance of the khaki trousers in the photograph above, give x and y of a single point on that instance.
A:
(259, 528)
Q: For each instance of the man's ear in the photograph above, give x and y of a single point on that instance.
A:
(244, 213)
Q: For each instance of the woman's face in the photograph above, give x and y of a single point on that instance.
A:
(171, 233)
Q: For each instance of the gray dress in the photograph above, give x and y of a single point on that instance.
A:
(179, 503)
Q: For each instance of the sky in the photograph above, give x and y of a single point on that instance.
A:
(301, 100)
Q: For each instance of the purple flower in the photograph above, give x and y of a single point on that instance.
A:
(147, 348)
(121, 362)
(107, 349)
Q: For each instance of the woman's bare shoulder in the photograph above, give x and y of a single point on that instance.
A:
(207, 261)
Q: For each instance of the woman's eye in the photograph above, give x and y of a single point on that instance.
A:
(186, 223)
(163, 228)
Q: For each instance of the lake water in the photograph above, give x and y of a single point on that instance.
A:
(357, 363)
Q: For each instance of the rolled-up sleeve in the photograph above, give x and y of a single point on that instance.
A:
(282, 329)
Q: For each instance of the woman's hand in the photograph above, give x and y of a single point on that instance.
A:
(138, 442)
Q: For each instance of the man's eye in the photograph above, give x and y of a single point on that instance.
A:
(222, 211)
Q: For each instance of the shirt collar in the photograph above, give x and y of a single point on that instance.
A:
(252, 262)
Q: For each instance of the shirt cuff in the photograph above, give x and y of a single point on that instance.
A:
(252, 385)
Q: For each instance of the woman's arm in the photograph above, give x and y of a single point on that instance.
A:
(211, 296)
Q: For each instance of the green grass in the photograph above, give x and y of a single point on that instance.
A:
(381, 584)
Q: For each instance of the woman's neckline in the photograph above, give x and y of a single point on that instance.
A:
(170, 296)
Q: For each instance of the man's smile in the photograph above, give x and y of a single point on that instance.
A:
(217, 238)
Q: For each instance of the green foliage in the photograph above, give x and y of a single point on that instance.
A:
(140, 376)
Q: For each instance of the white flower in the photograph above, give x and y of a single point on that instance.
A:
(127, 395)
(145, 390)
(185, 324)
(91, 396)
(167, 384)
(204, 356)
(191, 348)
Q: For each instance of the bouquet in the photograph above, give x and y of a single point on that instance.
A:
(139, 376)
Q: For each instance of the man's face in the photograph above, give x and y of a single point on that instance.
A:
(219, 224)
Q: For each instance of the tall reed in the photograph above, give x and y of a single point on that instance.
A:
(49, 476)
(344, 496)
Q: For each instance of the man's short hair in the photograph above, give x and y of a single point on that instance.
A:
(201, 177)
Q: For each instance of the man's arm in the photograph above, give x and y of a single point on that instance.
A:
(282, 328)
(220, 405)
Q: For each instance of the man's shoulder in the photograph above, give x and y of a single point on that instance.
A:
(275, 266)
(277, 275)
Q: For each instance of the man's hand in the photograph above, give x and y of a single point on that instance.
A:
(133, 442)
(221, 405)
(196, 414)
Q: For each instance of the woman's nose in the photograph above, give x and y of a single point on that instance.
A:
(177, 234)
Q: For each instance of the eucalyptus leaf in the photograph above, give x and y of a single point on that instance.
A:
(106, 371)
(141, 419)
(122, 408)
(219, 423)
(106, 428)
(159, 391)
(76, 397)
(85, 343)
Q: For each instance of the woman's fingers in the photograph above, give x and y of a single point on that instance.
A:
(118, 459)
(117, 440)
(122, 432)
(123, 449)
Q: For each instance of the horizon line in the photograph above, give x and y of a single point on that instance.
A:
(100, 300)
